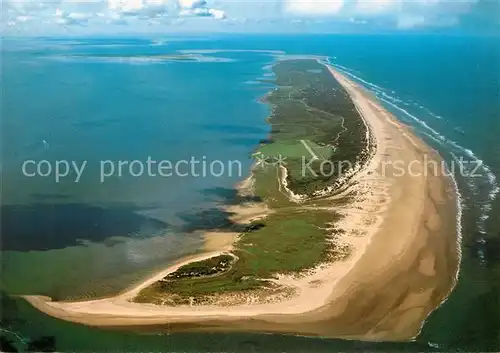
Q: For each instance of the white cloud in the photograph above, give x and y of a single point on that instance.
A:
(72, 18)
(313, 7)
(408, 21)
(59, 13)
(199, 8)
(203, 12)
(357, 21)
(125, 5)
(250, 15)
(192, 4)
(150, 9)
(374, 7)
(24, 18)
(24, 6)
(217, 14)
(114, 18)
(79, 16)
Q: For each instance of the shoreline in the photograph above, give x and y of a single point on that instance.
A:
(368, 296)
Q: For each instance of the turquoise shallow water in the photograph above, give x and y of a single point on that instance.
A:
(95, 111)
(99, 237)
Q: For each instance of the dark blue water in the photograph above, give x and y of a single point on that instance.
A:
(57, 107)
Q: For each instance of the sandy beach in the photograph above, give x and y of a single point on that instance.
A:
(403, 233)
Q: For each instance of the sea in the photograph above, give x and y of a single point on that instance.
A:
(85, 212)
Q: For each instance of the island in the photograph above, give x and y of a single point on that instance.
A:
(334, 237)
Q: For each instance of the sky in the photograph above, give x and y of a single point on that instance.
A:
(80, 17)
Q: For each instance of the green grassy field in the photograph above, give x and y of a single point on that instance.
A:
(311, 109)
(296, 149)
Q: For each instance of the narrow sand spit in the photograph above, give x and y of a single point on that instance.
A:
(240, 214)
(401, 228)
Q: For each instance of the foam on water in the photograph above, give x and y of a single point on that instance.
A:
(431, 113)
(414, 118)
(454, 148)
(343, 67)
(369, 84)
(488, 173)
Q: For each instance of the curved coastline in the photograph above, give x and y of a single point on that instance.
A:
(402, 268)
